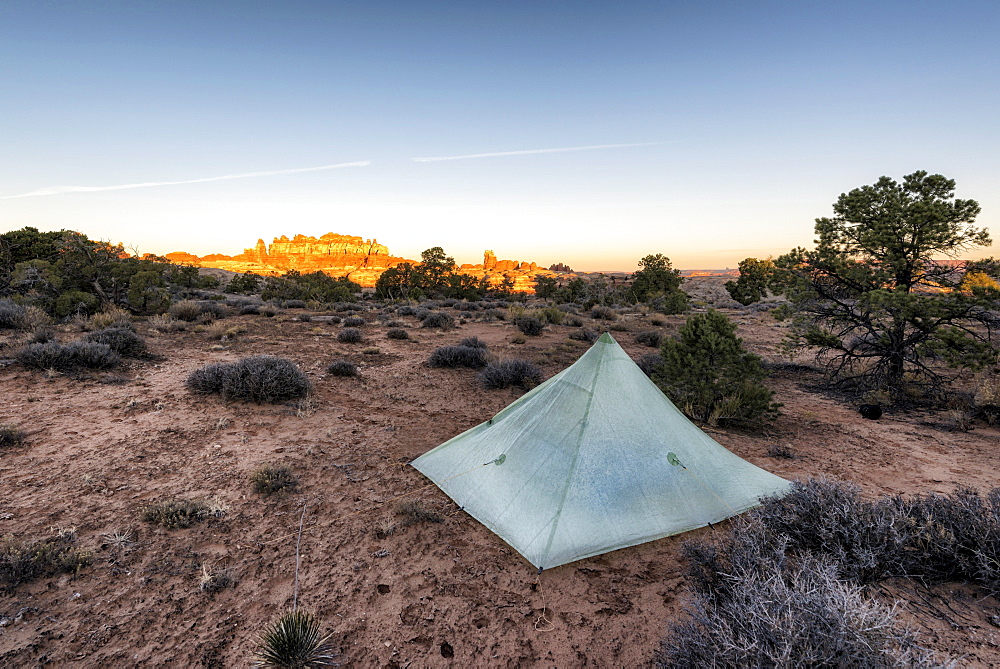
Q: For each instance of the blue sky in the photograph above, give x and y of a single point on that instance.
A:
(727, 127)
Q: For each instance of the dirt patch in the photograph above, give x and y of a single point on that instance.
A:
(446, 593)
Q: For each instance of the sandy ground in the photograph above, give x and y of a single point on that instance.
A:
(429, 594)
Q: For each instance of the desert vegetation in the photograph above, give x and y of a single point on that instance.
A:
(313, 468)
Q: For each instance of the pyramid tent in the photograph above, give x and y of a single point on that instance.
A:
(594, 459)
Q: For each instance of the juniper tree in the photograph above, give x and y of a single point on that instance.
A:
(752, 284)
(870, 296)
(708, 375)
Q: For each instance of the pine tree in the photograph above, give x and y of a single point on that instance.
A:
(708, 375)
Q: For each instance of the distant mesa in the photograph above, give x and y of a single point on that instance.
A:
(360, 260)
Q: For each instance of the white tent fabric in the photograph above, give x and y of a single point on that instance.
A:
(592, 460)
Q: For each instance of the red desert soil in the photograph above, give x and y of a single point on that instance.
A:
(430, 594)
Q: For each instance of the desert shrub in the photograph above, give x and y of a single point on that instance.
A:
(65, 357)
(176, 513)
(458, 356)
(342, 368)
(397, 333)
(648, 363)
(353, 322)
(270, 479)
(755, 606)
(709, 376)
(931, 537)
(185, 310)
(574, 321)
(529, 326)
(19, 317)
(649, 338)
(438, 319)
(293, 304)
(122, 341)
(10, 314)
(294, 640)
(261, 379)
(405, 310)
(42, 335)
(473, 342)
(11, 435)
(494, 314)
(250, 309)
(506, 373)
(986, 400)
(211, 310)
(553, 315)
(268, 310)
(584, 335)
(349, 336)
(413, 512)
(336, 320)
(23, 561)
(166, 323)
(603, 313)
(75, 302)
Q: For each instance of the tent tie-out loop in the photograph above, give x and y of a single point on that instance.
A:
(542, 622)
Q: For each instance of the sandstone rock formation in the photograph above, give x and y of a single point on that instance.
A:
(360, 260)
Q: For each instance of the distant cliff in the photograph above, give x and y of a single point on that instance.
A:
(360, 260)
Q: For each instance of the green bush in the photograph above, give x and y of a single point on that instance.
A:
(75, 302)
(709, 376)
(261, 379)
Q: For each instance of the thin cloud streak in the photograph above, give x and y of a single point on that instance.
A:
(434, 159)
(57, 190)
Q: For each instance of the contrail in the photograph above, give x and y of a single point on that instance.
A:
(433, 159)
(56, 190)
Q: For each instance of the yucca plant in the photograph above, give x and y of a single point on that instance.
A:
(293, 640)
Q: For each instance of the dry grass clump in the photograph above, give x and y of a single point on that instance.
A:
(123, 341)
(112, 317)
(349, 336)
(185, 310)
(342, 368)
(412, 512)
(176, 513)
(25, 560)
(273, 479)
(507, 373)
(214, 578)
(166, 323)
(224, 331)
(18, 317)
(262, 379)
(11, 435)
(459, 356)
(294, 640)
(67, 357)
(397, 333)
